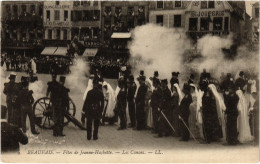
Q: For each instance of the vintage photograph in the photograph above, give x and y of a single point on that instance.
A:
(130, 81)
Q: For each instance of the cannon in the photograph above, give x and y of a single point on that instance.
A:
(43, 111)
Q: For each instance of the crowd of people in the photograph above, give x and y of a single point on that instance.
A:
(206, 111)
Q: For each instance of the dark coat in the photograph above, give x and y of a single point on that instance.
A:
(156, 98)
(121, 100)
(94, 104)
(53, 90)
(185, 106)
(10, 90)
(131, 91)
(11, 136)
(240, 83)
(25, 97)
(166, 100)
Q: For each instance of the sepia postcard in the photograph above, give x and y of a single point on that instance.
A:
(130, 81)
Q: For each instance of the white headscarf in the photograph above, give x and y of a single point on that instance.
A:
(89, 87)
(179, 92)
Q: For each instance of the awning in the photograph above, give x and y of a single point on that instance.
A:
(121, 35)
(90, 52)
(61, 51)
(49, 50)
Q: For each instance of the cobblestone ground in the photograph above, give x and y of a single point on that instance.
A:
(112, 139)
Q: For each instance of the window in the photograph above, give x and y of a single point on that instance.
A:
(65, 36)
(23, 8)
(95, 3)
(256, 12)
(49, 34)
(141, 10)
(207, 4)
(7, 7)
(86, 3)
(65, 15)
(211, 4)
(76, 3)
(193, 24)
(57, 2)
(204, 24)
(159, 19)
(177, 21)
(32, 9)
(177, 3)
(56, 15)
(96, 15)
(15, 8)
(58, 34)
(107, 11)
(130, 11)
(217, 23)
(204, 4)
(159, 4)
(226, 23)
(40, 10)
(48, 14)
(118, 11)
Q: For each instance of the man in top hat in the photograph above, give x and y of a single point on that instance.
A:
(165, 107)
(98, 76)
(93, 109)
(184, 112)
(174, 79)
(131, 89)
(10, 90)
(26, 100)
(11, 135)
(140, 103)
(231, 100)
(241, 81)
(155, 75)
(61, 106)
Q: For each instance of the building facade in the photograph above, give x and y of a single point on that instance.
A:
(198, 18)
(57, 22)
(122, 16)
(255, 24)
(22, 26)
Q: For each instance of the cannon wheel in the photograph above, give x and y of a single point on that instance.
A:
(43, 111)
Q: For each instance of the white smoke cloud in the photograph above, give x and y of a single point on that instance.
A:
(77, 80)
(38, 89)
(158, 48)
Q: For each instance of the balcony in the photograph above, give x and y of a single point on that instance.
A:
(16, 44)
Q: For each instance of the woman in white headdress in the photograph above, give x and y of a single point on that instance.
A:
(109, 95)
(89, 87)
(149, 116)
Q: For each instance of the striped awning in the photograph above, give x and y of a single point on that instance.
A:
(90, 52)
(59, 51)
(48, 50)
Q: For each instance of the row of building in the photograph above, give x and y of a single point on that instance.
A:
(32, 25)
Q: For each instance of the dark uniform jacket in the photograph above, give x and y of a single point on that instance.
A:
(141, 95)
(225, 84)
(240, 83)
(156, 98)
(10, 90)
(94, 104)
(166, 100)
(25, 97)
(121, 99)
(52, 88)
(11, 136)
(131, 91)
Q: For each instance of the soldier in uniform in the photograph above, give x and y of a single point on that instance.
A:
(93, 109)
(61, 106)
(121, 104)
(231, 100)
(26, 100)
(165, 107)
(191, 79)
(155, 103)
(11, 96)
(140, 103)
(130, 98)
(53, 91)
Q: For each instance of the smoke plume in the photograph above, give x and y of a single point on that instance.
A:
(38, 89)
(77, 79)
(157, 48)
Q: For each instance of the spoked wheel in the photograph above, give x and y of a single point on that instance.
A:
(44, 113)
